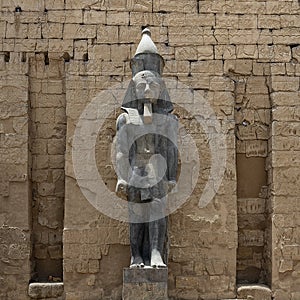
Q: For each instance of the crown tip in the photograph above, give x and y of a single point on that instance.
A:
(146, 44)
(146, 31)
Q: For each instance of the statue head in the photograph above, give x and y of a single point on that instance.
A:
(147, 85)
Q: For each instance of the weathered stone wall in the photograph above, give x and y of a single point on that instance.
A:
(285, 187)
(47, 132)
(15, 197)
(241, 56)
(252, 116)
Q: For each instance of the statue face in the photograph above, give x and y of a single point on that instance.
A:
(147, 85)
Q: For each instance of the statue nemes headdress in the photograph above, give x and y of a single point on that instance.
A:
(146, 58)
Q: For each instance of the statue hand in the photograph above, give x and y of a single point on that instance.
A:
(171, 185)
(121, 187)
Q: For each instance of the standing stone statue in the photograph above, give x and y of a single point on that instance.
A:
(146, 155)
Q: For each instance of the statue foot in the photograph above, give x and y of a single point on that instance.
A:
(137, 262)
(137, 266)
(156, 260)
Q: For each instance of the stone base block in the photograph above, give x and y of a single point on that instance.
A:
(146, 284)
(46, 290)
(254, 291)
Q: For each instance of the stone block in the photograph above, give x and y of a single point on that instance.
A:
(282, 53)
(269, 21)
(78, 4)
(227, 21)
(247, 51)
(14, 30)
(45, 290)
(256, 148)
(56, 146)
(249, 238)
(225, 51)
(52, 30)
(205, 52)
(181, 19)
(176, 67)
(55, 252)
(208, 67)
(188, 6)
(94, 17)
(107, 34)
(240, 36)
(278, 7)
(255, 291)
(241, 66)
(186, 53)
(257, 85)
(94, 266)
(265, 37)
(52, 86)
(44, 115)
(147, 283)
(218, 83)
(54, 4)
(289, 21)
(77, 31)
(286, 36)
(120, 53)
(34, 31)
(117, 18)
(80, 49)
(247, 22)
(25, 45)
(251, 206)
(278, 68)
(244, 7)
(40, 251)
(182, 36)
(141, 18)
(285, 83)
(65, 16)
(285, 98)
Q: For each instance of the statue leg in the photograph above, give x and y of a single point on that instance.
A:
(136, 244)
(137, 230)
(157, 234)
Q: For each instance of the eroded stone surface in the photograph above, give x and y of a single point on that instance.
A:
(145, 284)
(236, 54)
(45, 290)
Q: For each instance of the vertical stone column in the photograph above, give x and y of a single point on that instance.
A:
(14, 178)
(252, 117)
(95, 246)
(285, 184)
(48, 127)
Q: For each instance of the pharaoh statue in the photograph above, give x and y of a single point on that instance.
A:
(146, 155)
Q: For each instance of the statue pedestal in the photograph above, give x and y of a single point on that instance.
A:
(146, 284)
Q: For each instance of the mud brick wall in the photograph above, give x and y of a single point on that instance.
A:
(241, 56)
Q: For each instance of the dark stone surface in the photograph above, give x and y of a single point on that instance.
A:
(146, 284)
(145, 275)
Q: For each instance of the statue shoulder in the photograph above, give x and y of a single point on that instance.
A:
(174, 117)
(122, 120)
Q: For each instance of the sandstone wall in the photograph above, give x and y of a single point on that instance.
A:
(242, 57)
(47, 131)
(15, 250)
